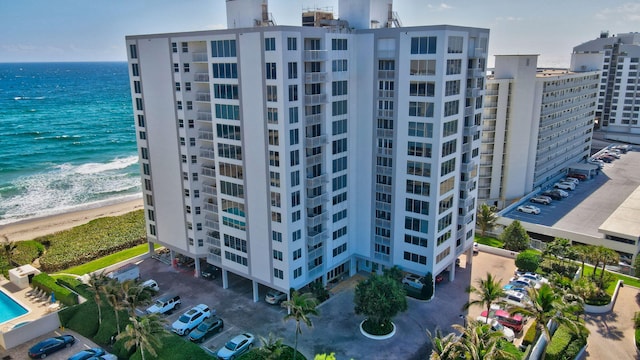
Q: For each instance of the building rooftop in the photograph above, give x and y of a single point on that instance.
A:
(625, 220)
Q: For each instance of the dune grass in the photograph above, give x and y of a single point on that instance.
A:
(108, 260)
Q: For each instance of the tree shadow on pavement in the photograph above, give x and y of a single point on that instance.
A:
(602, 321)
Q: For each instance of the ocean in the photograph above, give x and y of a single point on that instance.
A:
(68, 138)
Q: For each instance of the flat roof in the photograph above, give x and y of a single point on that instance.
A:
(595, 201)
(625, 220)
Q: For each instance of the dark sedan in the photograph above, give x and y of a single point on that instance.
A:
(51, 345)
(87, 354)
(206, 328)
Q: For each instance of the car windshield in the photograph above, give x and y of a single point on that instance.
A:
(203, 326)
(497, 326)
(231, 345)
(184, 319)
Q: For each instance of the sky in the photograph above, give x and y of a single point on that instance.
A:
(83, 30)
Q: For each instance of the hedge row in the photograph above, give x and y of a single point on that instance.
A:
(564, 345)
(47, 283)
(96, 239)
(531, 334)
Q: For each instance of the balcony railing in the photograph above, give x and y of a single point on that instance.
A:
(316, 141)
(316, 201)
(386, 74)
(199, 57)
(474, 92)
(315, 77)
(464, 220)
(468, 111)
(209, 190)
(314, 159)
(211, 224)
(201, 77)
(203, 96)
(204, 115)
(475, 72)
(385, 113)
(466, 202)
(209, 171)
(315, 55)
(386, 133)
(205, 135)
(210, 208)
(468, 166)
(315, 99)
(386, 93)
(317, 180)
(313, 119)
(314, 239)
(316, 219)
(208, 153)
(470, 130)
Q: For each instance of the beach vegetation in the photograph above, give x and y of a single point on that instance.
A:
(96, 239)
(108, 260)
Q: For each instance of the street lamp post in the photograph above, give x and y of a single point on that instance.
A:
(464, 320)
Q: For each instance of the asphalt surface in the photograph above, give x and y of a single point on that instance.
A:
(337, 328)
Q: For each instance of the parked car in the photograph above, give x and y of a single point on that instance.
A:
(207, 328)
(190, 319)
(87, 354)
(581, 177)
(275, 297)
(524, 282)
(51, 345)
(606, 158)
(476, 248)
(514, 322)
(564, 185)
(151, 284)
(442, 276)
(516, 298)
(595, 161)
(165, 304)
(104, 357)
(534, 277)
(209, 272)
(496, 326)
(529, 209)
(575, 181)
(413, 281)
(541, 199)
(623, 148)
(236, 346)
(552, 194)
(613, 153)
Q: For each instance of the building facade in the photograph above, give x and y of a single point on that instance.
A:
(537, 122)
(617, 58)
(293, 154)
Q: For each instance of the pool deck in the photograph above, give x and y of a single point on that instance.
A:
(36, 307)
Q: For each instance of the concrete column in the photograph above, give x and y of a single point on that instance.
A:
(352, 267)
(150, 245)
(256, 295)
(196, 273)
(452, 271)
(469, 256)
(225, 279)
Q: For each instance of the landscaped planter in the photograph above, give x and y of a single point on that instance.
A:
(378, 337)
(595, 309)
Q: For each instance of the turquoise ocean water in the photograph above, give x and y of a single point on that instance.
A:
(67, 138)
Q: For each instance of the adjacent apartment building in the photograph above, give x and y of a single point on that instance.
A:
(293, 154)
(536, 124)
(617, 58)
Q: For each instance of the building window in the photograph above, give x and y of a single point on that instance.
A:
(339, 44)
(185, 47)
(270, 71)
(272, 93)
(223, 48)
(451, 107)
(293, 115)
(292, 70)
(274, 178)
(422, 67)
(293, 92)
(454, 66)
(420, 109)
(185, 67)
(454, 44)
(270, 44)
(296, 235)
(297, 273)
(294, 137)
(423, 45)
(176, 67)
(420, 129)
(339, 88)
(133, 51)
(452, 88)
(135, 70)
(174, 47)
(339, 65)
(295, 178)
(295, 216)
(224, 131)
(274, 158)
(422, 88)
(277, 273)
(276, 236)
(225, 70)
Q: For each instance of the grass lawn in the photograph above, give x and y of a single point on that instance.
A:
(490, 241)
(588, 270)
(108, 260)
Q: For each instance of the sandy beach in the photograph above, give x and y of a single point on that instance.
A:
(32, 228)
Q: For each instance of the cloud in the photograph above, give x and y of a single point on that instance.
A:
(627, 11)
(440, 7)
(18, 48)
(509, 18)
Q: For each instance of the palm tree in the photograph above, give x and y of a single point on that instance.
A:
(299, 307)
(583, 253)
(547, 304)
(134, 295)
(486, 219)
(444, 346)
(144, 333)
(8, 247)
(272, 347)
(479, 342)
(96, 282)
(114, 297)
(489, 290)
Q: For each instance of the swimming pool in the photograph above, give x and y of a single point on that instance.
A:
(9, 309)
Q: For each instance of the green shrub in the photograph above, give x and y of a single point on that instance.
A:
(638, 338)
(573, 349)
(636, 320)
(27, 251)
(319, 291)
(173, 348)
(598, 300)
(528, 260)
(256, 354)
(531, 334)
(108, 235)
(559, 342)
(49, 284)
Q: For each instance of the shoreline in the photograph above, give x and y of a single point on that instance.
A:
(29, 229)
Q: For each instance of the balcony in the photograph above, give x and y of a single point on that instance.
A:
(316, 201)
(199, 57)
(383, 170)
(317, 180)
(385, 113)
(315, 253)
(385, 133)
(468, 166)
(317, 219)
(213, 208)
(315, 99)
(204, 116)
(387, 189)
(315, 77)
(201, 77)
(315, 55)
(474, 92)
(209, 190)
(466, 202)
(468, 111)
(314, 159)
(316, 141)
(210, 223)
(316, 238)
(477, 53)
(475, 73)
(205, 135)
(313, 119)
(386, 224)
(466, 147)
(209, 171)
(470, 130)
(208, 153)
(384, 151)
(203, 96)
(464, 220)
(386, 74)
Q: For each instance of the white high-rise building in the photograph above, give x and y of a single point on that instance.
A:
(293, 154)
(537, 123)
(617, 58)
